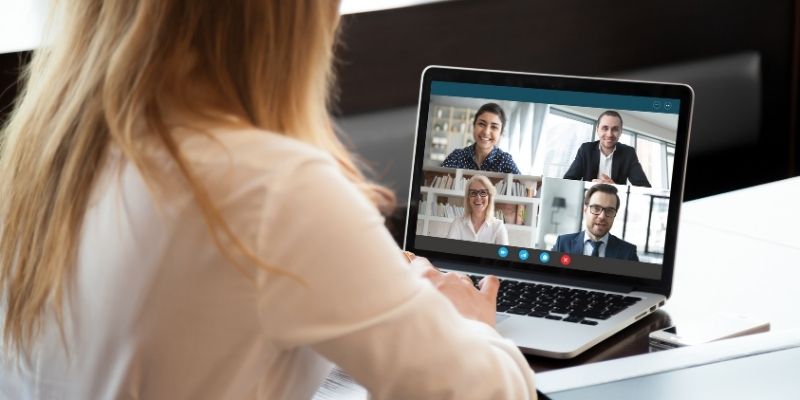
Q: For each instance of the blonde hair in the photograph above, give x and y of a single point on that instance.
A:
(489, 187)
(105, 78)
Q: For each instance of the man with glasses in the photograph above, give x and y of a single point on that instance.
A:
(606, 160)
(600, 207)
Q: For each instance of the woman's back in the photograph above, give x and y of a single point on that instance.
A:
(221, 261)
(156, 311)
(155, 306)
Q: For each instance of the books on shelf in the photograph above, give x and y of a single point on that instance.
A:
(500, 187)
(460, 184)
(442, 210)
(448, 182)
(509, 186)
(442, 182)
(449, 211)
(521, 190)
(516, 189)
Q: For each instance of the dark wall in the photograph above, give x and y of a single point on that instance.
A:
(10, 64)
(384, 53)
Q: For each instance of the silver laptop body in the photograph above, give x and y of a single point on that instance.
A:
(555, 301)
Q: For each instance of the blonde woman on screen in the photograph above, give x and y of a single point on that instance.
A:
(161, 234)
(478, 224)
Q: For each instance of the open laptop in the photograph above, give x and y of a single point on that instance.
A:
(559, 296)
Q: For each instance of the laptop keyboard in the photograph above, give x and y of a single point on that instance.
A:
(558, 302)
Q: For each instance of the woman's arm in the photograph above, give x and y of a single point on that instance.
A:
(363, 308)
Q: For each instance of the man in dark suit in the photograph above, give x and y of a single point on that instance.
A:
(606, 160)
(600, 207)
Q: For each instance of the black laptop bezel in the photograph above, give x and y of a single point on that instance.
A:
(568, 83)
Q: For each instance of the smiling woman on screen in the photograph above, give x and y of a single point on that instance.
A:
(484, 155)
(478, 223)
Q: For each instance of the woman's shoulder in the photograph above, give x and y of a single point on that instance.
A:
(468, 149)
(494, 221)
(458, 158)
(460, 219)
(464, 151)
(503, 154)
(248, 147)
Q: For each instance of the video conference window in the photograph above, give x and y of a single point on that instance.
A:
(589, 181)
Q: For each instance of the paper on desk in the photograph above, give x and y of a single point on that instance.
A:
(340, 386)
(669, 360)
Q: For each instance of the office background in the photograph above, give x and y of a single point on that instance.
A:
(742, 58)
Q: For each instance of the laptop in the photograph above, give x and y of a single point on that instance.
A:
(580, 221)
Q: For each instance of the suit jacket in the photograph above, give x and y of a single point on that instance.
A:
(616, 247)
(625, 165)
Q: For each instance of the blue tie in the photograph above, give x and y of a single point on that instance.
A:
(596, 248)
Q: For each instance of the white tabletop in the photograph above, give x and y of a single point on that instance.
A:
(740, 252)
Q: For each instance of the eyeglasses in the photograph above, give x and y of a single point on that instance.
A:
(611, 212)
(476, 193)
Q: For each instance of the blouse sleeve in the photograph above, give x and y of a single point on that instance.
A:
(455, 230)
(451, 161)
(512, 166)
(502, 234)
(359, 304)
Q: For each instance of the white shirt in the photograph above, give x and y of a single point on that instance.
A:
(157, 312)
(493, 230)
(587, 244)
(605, 163)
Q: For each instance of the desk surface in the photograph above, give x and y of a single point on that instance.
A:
(752, 367)
(737, 251)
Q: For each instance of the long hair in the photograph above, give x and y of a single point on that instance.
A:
(489, 187)
(105, 77)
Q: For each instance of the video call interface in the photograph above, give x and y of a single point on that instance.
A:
(544, 177)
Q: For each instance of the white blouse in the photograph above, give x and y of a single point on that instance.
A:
(492, 231)
(157, 312)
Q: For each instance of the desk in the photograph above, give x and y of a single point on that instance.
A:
(736, 251)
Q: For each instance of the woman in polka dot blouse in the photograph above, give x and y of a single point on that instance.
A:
(484, 154)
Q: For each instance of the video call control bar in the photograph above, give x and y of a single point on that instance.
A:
(539, 257)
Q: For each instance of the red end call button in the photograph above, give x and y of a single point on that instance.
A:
(565, 260)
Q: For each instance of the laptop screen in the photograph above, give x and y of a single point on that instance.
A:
(548, 172)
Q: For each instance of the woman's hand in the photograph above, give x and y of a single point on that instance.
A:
(472, 303)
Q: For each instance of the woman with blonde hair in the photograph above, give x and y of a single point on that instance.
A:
(478, 224)
(179, 220)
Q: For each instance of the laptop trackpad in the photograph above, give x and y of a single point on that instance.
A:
(498, 318)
